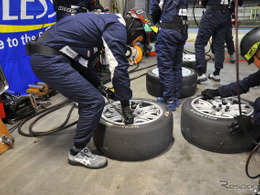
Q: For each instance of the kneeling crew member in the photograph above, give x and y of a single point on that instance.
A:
(250, 50)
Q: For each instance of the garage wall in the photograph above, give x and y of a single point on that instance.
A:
(20, 21)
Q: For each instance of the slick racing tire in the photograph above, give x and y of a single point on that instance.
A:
(189, 61)
(150, 135)
(204, 123)
(189, 82)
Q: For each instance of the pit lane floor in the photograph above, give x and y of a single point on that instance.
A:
(38, 165)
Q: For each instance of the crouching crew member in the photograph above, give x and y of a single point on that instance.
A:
(250, 50)
(78, 38)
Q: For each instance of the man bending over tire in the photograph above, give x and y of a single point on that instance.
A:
(78, 38)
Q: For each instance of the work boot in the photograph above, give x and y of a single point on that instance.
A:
(214, 77)
(232, 59)
(160, 99)
(85, 158)
(172, 104)
(201, 78)
(177, 103)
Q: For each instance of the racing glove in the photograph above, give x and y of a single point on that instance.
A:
(209, 93)
(241, 121)
(106, 92)
(127, 112)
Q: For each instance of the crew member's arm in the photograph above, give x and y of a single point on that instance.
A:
(244, 85)
(231, 89)
(114, 41)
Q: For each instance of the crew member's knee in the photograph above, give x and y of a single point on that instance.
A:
(100, 103)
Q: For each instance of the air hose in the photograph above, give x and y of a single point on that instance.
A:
(137, 70)
(61, 127)
(247, 163)
(41, 114)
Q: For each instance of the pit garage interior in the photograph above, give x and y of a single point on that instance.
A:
(38, 165)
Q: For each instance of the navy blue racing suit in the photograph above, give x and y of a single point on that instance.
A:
(169, 44)
(229, 37)
(84, 33)
(252, 80)
(65, 8)
(213, 23)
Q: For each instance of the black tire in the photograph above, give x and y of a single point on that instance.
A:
(189, 61)
(137, 141)
(212, 133)
(189, 82)
(153, 84)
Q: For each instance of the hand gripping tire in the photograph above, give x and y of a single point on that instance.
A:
(150, 135)
(204, 123)
(189, 82)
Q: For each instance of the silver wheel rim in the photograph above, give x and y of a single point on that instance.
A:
(221, 108)
(144, 112)
(185, 71)
(155, 71)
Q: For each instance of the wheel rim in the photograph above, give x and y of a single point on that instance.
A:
(144, 112)
(185, 71)
(221, 108)
(156, 71)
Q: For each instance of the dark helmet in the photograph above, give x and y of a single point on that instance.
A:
(139, 23)
(250, 44)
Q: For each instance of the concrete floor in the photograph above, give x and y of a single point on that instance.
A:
(38, 165)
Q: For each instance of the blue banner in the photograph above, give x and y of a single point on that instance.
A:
(21, 21)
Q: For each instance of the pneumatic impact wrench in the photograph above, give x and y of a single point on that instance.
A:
(126, 112)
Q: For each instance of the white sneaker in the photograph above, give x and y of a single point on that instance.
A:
(87, 159)
(214, 77)
(232, 59)
(201, 78)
